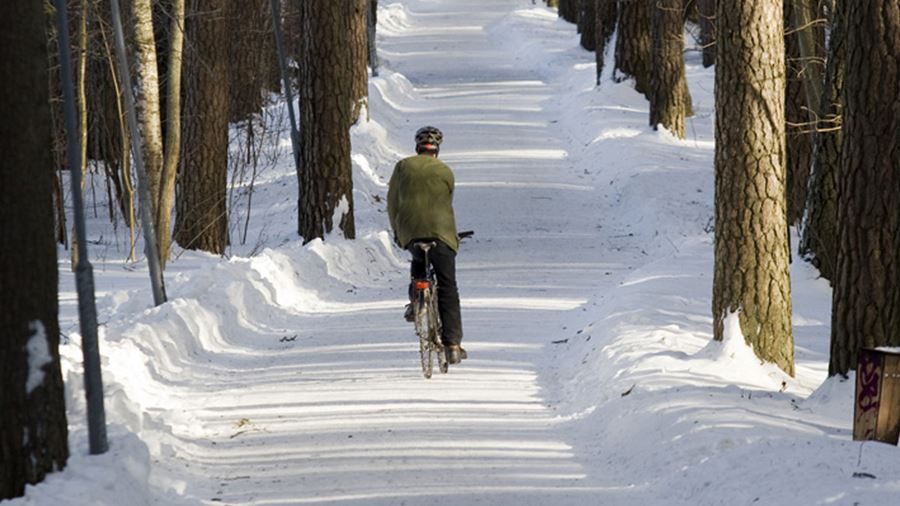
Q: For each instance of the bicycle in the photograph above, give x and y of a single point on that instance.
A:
(427, 318)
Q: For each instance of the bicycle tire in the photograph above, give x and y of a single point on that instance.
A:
(428, 327)
(436, 329)
(443, 364)
(424, 326)
(425, 356)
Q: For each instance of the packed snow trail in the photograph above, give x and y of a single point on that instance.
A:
(341, 412)
(285, 374)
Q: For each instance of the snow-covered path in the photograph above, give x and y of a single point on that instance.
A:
(342, 412)
(285, 374)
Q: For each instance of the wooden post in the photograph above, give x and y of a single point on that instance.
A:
(877, 404)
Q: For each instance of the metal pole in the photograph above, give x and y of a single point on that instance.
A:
(289, 94)
(84, 272)
(151, 250)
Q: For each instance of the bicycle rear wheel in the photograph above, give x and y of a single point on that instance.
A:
(443, 364)
(425, 356)
(424, 325)
(436, 329)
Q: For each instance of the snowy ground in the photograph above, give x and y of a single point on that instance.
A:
(289, 376)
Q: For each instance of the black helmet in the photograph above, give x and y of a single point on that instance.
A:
(429, 137)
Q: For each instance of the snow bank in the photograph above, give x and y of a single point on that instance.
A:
(393, 18)
(633, 382)
(117, 477)
(684, 417)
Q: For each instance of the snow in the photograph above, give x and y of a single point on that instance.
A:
(285, 374)
(39, 356)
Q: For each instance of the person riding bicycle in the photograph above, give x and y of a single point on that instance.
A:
(420, 207)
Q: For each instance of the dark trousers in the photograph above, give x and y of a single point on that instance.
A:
(443, 260)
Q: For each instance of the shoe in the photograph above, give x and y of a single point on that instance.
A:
(410, 314)
(455, 353)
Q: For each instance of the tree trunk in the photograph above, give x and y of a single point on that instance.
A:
(371, 29)
(326, 77)
(751, 244)
(568, 10)
(117, 148)
(253, 57)
(104, 110)
(707, 12)
(148, 96)
(201, 220)
(865, 311)
(587, 22)
(633, 44)
(293, 30)
(173, 130)
(33, 429)
(819, 240)
(359, 36)
(799, 112)
(81, 92)
(605, 12)
(668, 84)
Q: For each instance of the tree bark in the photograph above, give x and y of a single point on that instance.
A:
(173, 130)
(633, 44)
(33, 429)
(326, 93)
(668, 83)
(818, 242)
(605, 13)
(865, 310)
(359, 47)
(293, 30)
(81, 92)
(751, 243)
(800, 113)
(253, 57)
(587, 22)
(116, 148)
(371, 29)
(568, 10)
(707, 12)
(148, 96)
(201, 220)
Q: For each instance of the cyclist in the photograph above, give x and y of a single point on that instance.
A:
(420, 207)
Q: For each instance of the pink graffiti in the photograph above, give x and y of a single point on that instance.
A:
(869, 372)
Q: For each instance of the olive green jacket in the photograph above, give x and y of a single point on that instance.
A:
(420, 201)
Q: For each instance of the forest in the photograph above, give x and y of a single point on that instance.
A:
(686, 251)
